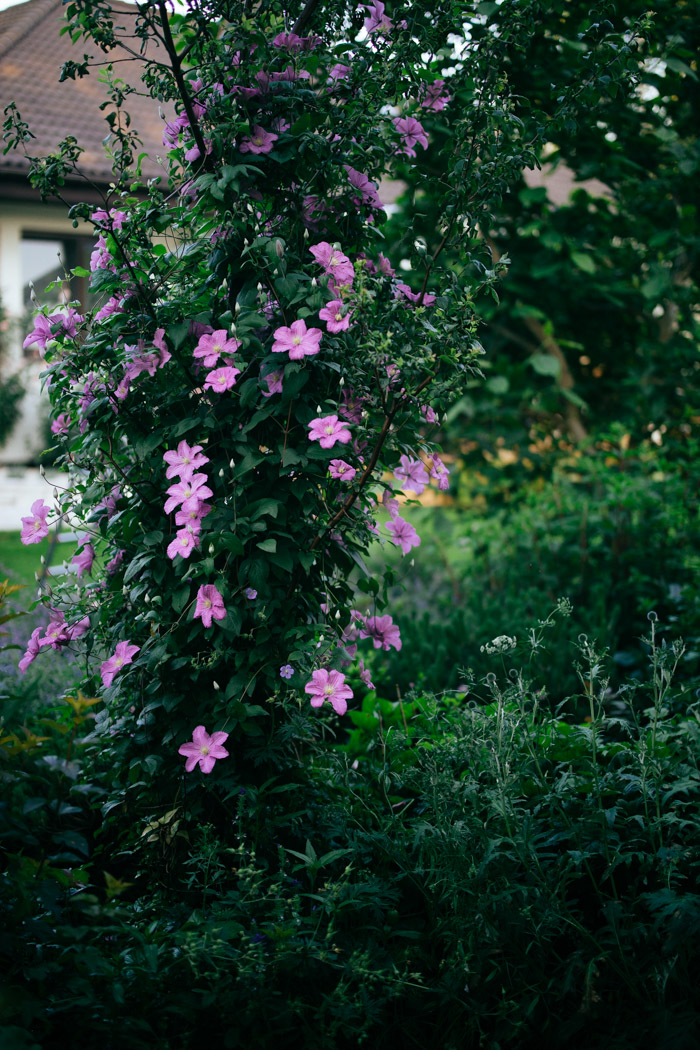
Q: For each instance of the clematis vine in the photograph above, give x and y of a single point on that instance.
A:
(210, 605)
(123, 655)
(329, 686)
(297, 340)
(328, 430)
(35, 528)
(402, 534)
(204, 750)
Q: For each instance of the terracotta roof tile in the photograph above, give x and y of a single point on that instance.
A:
(31, 54)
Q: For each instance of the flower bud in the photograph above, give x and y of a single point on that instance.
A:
(232, 463)
(341, 382)
(42, 560)
(314, 282)
(221, 473)
(306, 235)
(217, 687)
(211, 548)
(55, 493)
(279, 249)
(237, 309)
(260, 288)
(147, 598)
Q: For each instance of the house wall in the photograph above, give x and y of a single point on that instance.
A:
(17, 219)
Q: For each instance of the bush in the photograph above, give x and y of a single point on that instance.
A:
(615, 531)
(474, 871)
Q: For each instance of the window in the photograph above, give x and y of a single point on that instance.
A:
(43, 258)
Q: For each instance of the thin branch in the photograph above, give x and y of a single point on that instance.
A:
(305, 17)
(176, 65)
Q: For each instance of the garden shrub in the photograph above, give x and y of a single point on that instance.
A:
(616, 531)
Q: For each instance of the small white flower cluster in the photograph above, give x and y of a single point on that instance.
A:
(503, 644)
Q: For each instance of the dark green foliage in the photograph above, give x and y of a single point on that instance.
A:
(450, 875)
(615, 530)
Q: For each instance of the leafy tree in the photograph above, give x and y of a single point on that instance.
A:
(597, 323)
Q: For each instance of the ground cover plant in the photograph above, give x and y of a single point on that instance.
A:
(221, 830)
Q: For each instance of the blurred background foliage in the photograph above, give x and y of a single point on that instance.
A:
(574, 464)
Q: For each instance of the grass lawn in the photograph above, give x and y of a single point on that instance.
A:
(17, 562)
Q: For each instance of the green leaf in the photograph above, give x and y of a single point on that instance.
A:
(264, 506)
(231, 543)
(180, 597)
(583, 261)
(269, 545)
(137, 565)
(498, 385)
(677, 66)
(177, 333)
(545, 364)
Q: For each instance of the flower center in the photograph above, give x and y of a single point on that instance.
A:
(207, 603)
(296, 340)
(329, 428)
(205, 751)
(329, 690)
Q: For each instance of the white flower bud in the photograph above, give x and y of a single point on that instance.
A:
(341, 382)
(319, 410)
(55, 493)
(211, 548)
(246, 242)
(275, 272)
(314, 282)
(125, 591)
(217, 687)
(42, 560)
(279, 249)
(42, 471)
(306, 235)
(260, 288)
(147, 598)
(237, 309)
(232, 463)
(221, 473)
(233, 330)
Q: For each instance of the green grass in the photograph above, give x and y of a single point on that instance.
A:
(17, 562)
